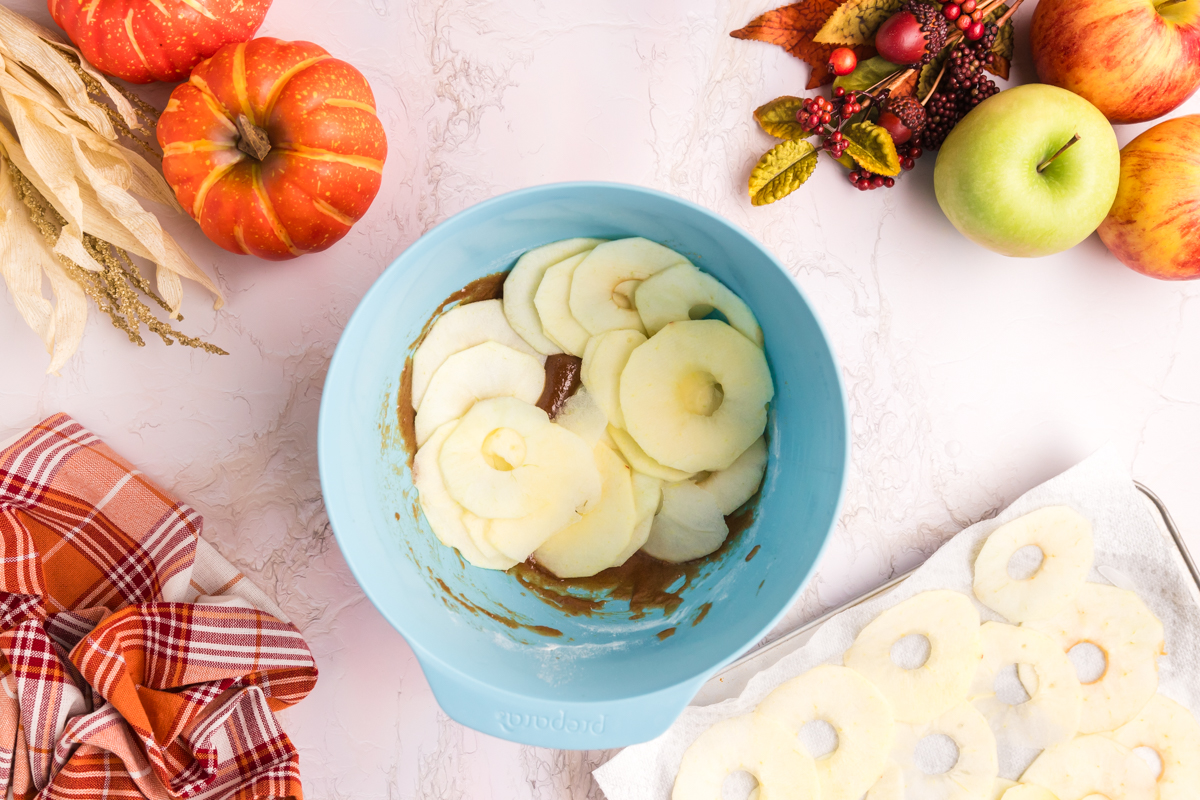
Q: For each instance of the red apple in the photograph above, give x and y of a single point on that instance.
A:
(1133, 59)
(1154, 225)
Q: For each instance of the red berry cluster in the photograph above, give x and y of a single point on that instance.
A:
(818, 114)
(966, 15)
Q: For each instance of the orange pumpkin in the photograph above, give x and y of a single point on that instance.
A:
(273, 147)
(155, 40)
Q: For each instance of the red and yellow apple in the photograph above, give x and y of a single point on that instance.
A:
(1133, 59)
(1154, 225)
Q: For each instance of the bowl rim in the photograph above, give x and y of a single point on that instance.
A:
(341, 356)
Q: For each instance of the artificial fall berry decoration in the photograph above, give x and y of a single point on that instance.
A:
(884, 112)
(913, 35)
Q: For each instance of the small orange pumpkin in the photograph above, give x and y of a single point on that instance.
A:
(273, 147)
(143, 41)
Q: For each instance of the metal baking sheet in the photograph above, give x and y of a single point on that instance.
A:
(730, 681)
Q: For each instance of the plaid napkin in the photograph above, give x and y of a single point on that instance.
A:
(134, 660)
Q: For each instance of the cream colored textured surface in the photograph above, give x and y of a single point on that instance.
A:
(971, 377)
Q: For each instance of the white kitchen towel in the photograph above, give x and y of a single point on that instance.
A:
(1131, 550)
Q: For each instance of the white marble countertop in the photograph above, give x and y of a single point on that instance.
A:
(971, 377)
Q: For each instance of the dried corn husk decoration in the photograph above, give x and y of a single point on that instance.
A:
(68, 189)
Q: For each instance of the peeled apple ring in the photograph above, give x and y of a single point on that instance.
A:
(973, 774)
(695, 396)
(856, 710)
(1170, 730)
(1051, 714)
(751, 743)
(1092, 765)
(1065, 539)
(1131, 638)
(951, 624)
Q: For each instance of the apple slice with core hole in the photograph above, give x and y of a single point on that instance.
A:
(506, 460)
(641, 462)
(602, 367)
(647, 495)
(555, 313)
(442, 512)
(484, 371)
(694, 397)
(689, 526)
(521, 285)
(598, 539)
(460, 328)
(673, 294)
(734, 486)
(583, 416)
(604, 277)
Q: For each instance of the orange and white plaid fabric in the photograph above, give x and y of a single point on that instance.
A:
(134, 660)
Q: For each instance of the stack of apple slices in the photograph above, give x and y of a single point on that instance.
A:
(662, 442)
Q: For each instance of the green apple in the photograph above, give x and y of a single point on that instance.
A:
(1005, 180)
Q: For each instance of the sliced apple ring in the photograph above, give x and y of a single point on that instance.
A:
(671, 296)
(1093, 765)
(647, 497)
(1051, 714)
(506, 460)
(641, 462)
(598, 281)
(603, 362)
(551, 303)
(951, 624)
(478, 373)
(973, 774)
(890, 785)
(1172, 731)
(1024, 791)
(1131, 639)
(442, 512)
(477, 528)
(689, 525)
(753, 744)
(1065, 538)
(458, 329)
(521, 285)
(858, 713)
(734, 486)
(694, 397)
(597, 540)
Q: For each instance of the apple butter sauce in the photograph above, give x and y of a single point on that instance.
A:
(643, 583)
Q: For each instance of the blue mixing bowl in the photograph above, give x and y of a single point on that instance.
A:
(498, 656)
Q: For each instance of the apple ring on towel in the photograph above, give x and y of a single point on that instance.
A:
(973, 774)
(1170, 730)
(951, 624)
(890, 785)
(1092, 765)
(750, 743)
(1051, 714)
(1131, 639)
(1026, 791)
(856, 710)
(1065, 539)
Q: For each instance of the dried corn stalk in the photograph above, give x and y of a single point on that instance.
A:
(68, 209)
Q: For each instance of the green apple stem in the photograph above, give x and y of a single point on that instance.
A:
(1042, 166)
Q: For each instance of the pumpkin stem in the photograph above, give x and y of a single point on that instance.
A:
(254, 141)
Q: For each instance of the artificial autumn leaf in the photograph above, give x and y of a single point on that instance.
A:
(781, 171)
(872, 148)
(929, 73)
(778, 118)
(1002, 52)
(867, 74)
(792, 28)
(855, 21)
